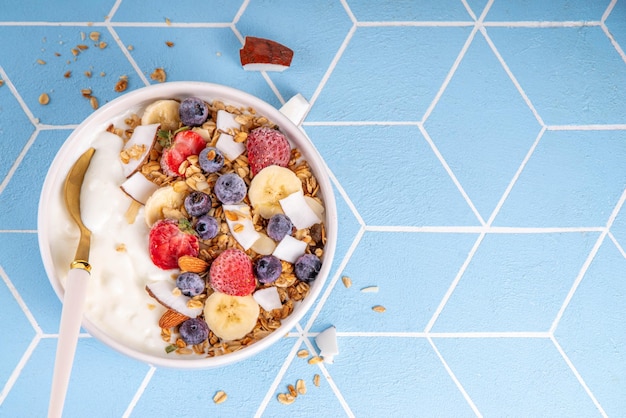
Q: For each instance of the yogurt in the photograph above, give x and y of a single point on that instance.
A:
(116, 302)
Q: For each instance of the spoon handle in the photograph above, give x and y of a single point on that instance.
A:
(71, 317)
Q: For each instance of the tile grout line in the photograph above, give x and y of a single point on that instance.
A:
(580, 379)
(489, 229)
(617, 244)
(608, 11)
(140, 390)
(469, 10)
(456, 381)
(442, 335)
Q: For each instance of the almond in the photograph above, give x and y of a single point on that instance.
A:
(172, 318)
(192, 264)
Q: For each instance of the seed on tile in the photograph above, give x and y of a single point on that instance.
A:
(75, 51)
(102, 45)
(82, 47)
(169, 43)
(41, 62)
(370, 289)
(316, 380)
(44, 99)
(93, 102)
(220, 397)
(67, 74)
(303, 353)
(86, 93)
(168, 22)
(130, 47)
(379, 308)
(292, 391)
(158, 75)
(285, 398)
(315, 360)
(301, 387)
(121, 85)
(88, 74)
(347, 282)
(1, 83)
(94, 36)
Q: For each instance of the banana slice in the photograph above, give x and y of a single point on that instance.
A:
(163, 203)
(164, 112)
(230, 317)
(269, 186)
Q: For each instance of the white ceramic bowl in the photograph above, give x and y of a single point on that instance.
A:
(53, 215)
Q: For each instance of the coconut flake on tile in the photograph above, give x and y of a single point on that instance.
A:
(298, 210)
(289, 249)
(259, 54)
(143, 136)
(138, 187)
(327, 343)
(268, 298)
(295, 109)
(245, 234)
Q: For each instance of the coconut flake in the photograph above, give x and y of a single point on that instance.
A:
(295, 109)
(225, 123)
(259, 54)
(268, 298)
(241, 225)
(298, 210)
(327, 343)
(138, 187)
(289, 249)
(162, 291)
(144, 136)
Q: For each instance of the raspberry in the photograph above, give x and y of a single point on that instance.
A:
(185, 144)
(231, 273)
(267, 146)
(167, 243)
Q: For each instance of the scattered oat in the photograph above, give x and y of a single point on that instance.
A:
(316, 380)
(130, 47)
(370, 289)
(82, 47)
(75, 51)
(169, 43)
(158, 75)
(86, 93)
(41, 62)
(88, 74)
(93, 102)
(168, 22)
(315, 360)
(67, 74)
(347, 282)
(379, 308)
(220, 397)
(102, 45)
(301, 387)
(56, 54)
(121, 85)
(94, 36)
(286, 398)
(1, 83)
(102, 74)
(44, 99)
(303, 353)
(292, 390)
(121, 248)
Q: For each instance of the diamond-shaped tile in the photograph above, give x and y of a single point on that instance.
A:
(515, 282)
(208, 11)
(190, 392)
(573, 178)
(55, 11)
(516, 377)
(18, 330)
(198, 54)
(20, 198)
(31, 79)
(25, 270)
(404, 11)
(555, 10)
(395, 90)
(315, 30)
(112, 380)
(410, 284)
(482, 127)
(13, 140)
(405, 369)
(399, 172)
(591, 331)
(571, 75)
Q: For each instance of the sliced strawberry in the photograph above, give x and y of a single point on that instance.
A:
(185, 144)
(167, 242)
(231, 273)
(266, 147)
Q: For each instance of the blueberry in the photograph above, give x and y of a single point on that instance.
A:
(207, 227)
(193, 111)
(278, 226)
(194, 331)
(197, 203)
(190, 284)
(230, 189)
(307, 266)
(267, 268)
(211, 160)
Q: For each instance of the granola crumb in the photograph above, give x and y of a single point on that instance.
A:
(94, 36)
(67, 74)
(88, 74)
(347, 281)
(379, 308)
(168, 22)
(41, 62)
(93, 102)
(44, 99)
(159, 75)
(303, 353)
(1, 83)
(315, 360)
(316, 380)
(121, 85)
(130, 47)
(169, 43)
(220, 397)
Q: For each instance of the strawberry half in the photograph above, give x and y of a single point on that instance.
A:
(231, 273)
(167, 243)
(185, 144)
(266, 147)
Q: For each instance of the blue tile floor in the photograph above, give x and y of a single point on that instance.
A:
(478, 154)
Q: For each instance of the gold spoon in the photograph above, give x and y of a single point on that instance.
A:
(75, 289)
